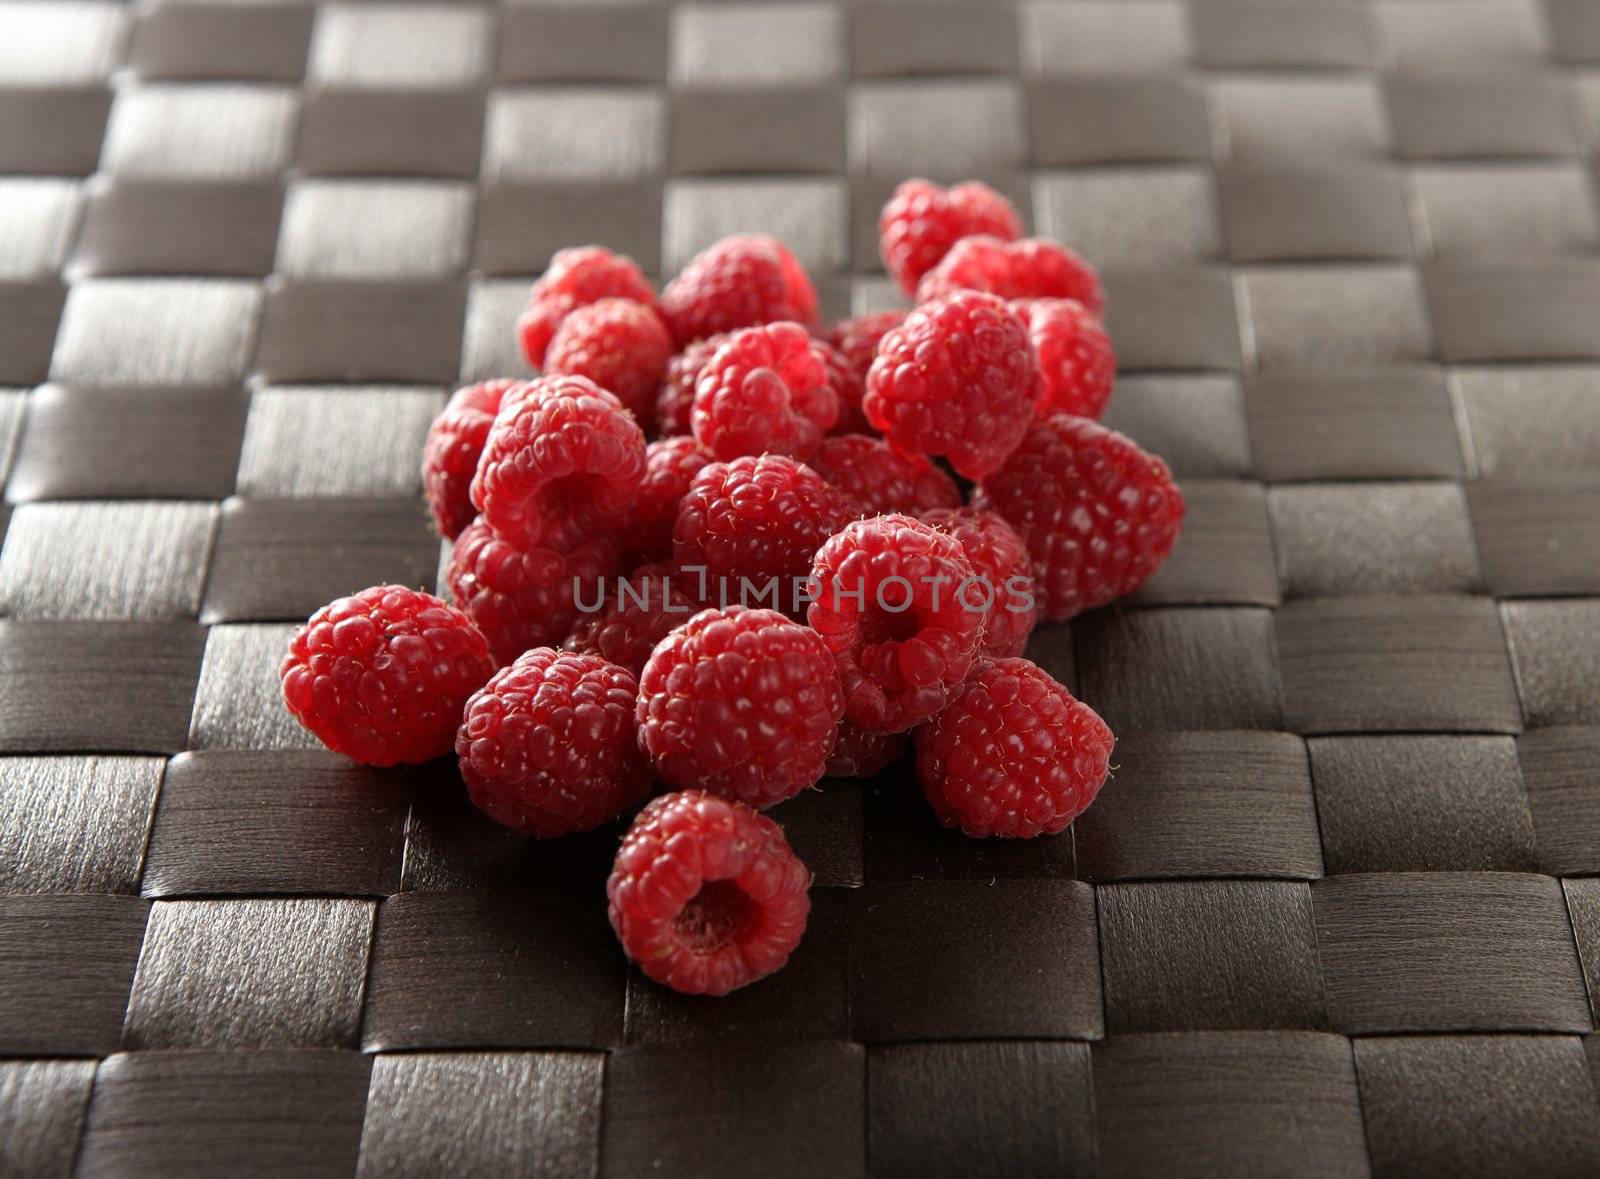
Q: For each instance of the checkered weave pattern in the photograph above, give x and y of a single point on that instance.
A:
(1337, 913)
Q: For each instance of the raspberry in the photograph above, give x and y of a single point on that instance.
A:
(706, 896)
(575, 278)
(1013, 754)
(756, 518)
(547, 746)
(857, 339)
(381, 676)
(922, 221)
(620, 345)
(1097, 513)
(958, 378)
(764, 392)
(889, 607)
(523, 598)
(1077, 365)
(563, 462)
(1000, 560)
(882, 479)
(738, 282)
(675, 399)
(670, 465)
(450, 456)
(743, 703)
(848, 387)
(858, 753)
(653, 601)
(1034, 268)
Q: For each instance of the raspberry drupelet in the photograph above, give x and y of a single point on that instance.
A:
(706, 895)
(1001, 561)
(670, 465)
(562, 463)
(642, 610)
(548, 746)
(890, 608)
(1077, 365)
(576, 278)
(675, 398)
(848, 386)
(921, 221)
(858, 753)
(764, 391)
(958, 378)
(450, 455)
(1013, 754)
(743, 703)
(382, 676)
(1034, 268)
(756, 518)
(1097, 513)
(740, 281)
(620, 345)
(882, 479)
(857, 339)
(522, 598)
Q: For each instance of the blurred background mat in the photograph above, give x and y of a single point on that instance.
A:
(1338, 912)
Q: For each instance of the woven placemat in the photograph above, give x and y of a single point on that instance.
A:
(1338, 910)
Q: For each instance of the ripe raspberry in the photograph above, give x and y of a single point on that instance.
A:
(450, 456)
(756, 518)
(1013, 754)
(670, 465)
(1077, 365)
(381, 676)
(706, 895)
(575, 278)
(738, 282)
(882, 479)
(521, 599)
(653, 601)
(764, 392)
(620, 345)
(563, 462)
(1034, 268)
(860, 754)
(857, 339)
(1001, 561)
(889, 608)
(922, 221)
(958, 378)
(848, 388)
(743, 703)
(675, 399)
(548, 747)
(1098, 514)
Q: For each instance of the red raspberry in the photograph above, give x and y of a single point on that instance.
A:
(548, 746)
(764, 392)
(922, 221)
(743, 703)
(1098, 514)
(643, 610)
(848, 387)
(670, 465)
(450, 456)
(1077, 365)
(381, 676)
(882, 479)
(575, 278)
(1013, 754)
(620, 345)
(521, 599)
(1034, 268)
(889, 608)
(675, 399)
(860, 754)
(756, 518)
(706, 895)
(1001, 561)
(857, 339)
(958, 378)
(563, 462)
(738, 282)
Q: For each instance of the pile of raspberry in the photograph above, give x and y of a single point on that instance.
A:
(719, 551)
